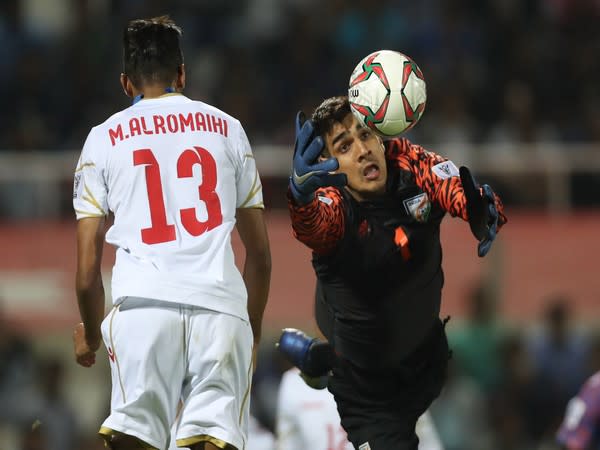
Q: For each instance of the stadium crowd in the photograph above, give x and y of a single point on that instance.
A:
(497, 71)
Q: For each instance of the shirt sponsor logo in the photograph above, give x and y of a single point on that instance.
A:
(419, 207)
(445, 169)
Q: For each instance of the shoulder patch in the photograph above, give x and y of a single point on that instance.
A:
(77, 185)
(445, 169)
(325, 200)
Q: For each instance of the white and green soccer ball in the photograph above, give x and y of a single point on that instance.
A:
(387, 92)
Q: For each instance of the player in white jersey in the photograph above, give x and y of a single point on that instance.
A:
(307, 418)
(178, 175)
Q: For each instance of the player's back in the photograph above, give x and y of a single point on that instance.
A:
(174, 170)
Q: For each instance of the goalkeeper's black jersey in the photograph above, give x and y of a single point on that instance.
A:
(378, 263)
(378, 293)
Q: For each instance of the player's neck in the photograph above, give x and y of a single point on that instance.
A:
(154, 91)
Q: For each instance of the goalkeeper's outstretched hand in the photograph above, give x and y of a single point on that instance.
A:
(482, 211)
(308, 173)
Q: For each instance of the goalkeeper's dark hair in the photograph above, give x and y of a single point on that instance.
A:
(330, 111)
(151, 51)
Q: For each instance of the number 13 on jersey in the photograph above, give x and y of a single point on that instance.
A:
(161, 231)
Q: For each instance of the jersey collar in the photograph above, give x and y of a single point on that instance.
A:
(168, 91)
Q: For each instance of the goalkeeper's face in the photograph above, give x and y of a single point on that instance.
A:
(360, 154)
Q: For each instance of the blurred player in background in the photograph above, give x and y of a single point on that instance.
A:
(308, 418)
(178, 175)
(580, 429)
(371, 213)
(259, 438)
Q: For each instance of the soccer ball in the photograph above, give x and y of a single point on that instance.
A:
(387, 92)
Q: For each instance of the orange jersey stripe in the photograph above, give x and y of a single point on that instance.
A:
(446, 192)
(319, 224)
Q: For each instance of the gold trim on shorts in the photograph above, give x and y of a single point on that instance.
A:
(106, 432)
(247, 393)
(114, 350)
(187, 442)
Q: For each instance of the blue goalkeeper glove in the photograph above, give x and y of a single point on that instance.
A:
(482, 211)
(309, 174)
(312, 356)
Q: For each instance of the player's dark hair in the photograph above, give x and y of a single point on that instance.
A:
(151, 51)
(330, 111)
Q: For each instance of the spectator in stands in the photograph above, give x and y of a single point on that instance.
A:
(60, 421)
(559, 354)
(18, 399)
(511, 404)
(476, 343)
(460, 413)
(479, 46)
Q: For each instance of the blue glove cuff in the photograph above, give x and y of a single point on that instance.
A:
(302, 198)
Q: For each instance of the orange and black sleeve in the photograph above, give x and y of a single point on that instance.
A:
(319, 224)
(446, 191)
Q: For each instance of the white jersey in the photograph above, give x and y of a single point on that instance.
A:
(308, 418)
(259, 438)
(173, 171)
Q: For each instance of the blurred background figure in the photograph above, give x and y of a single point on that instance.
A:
(512, 406)
(308, 418)
(56, 413)
(33, 438)
(580, 427)
(19, 400)
(559, 354)
(259, 437)
(476, 343)
(461, 413)
(513, 93)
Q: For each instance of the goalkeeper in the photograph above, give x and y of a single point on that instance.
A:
(371, 213)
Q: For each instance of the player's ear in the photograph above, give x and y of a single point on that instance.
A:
(126, 85)
(180, 80)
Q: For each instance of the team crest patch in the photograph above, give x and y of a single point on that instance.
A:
(364, 446)
(418, 206)
(445, 169)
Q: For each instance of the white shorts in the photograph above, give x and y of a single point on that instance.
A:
(162, 352)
